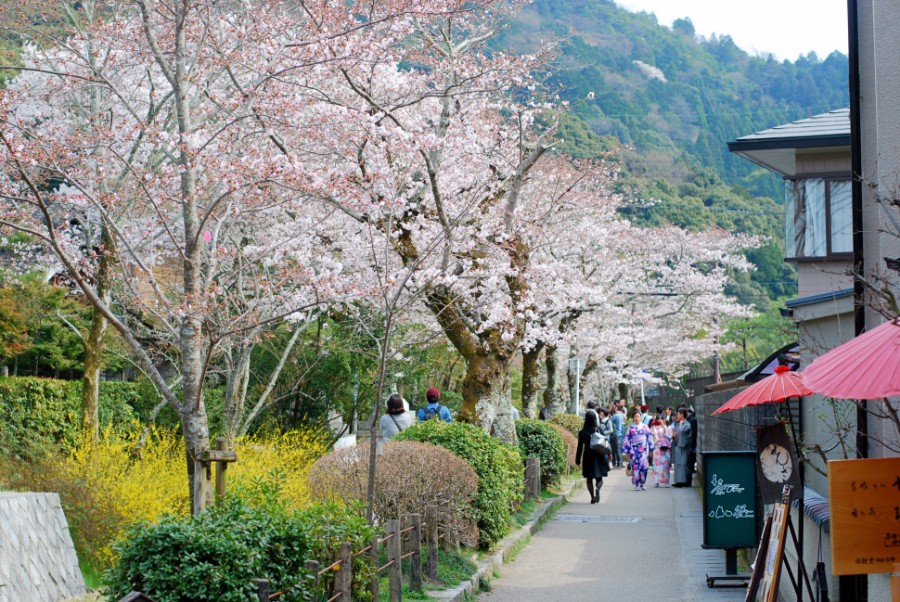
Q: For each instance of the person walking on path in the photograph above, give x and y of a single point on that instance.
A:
(662, 461)
(618, 421)
(594, 466)
(395, 420)
(637, 446)
(682, 448)
(434, 409)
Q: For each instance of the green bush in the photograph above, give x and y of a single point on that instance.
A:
(498, 466)
(214, 556)
(45, 413)
(570, 422)
(539, 439)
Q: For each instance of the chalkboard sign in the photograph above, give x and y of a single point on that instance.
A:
(729, 500)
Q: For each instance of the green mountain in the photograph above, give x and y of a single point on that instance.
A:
(674, 100)
(630, 78)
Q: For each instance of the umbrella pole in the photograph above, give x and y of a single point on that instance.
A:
(800, 500)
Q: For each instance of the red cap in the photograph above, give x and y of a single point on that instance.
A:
(780, 369)
(432, 392)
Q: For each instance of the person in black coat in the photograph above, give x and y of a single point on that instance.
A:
(594, 466)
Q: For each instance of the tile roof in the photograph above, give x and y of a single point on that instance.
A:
(833, 124)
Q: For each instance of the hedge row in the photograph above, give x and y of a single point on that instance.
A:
(499, 468)
(45, 413)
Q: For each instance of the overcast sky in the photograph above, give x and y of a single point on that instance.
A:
(785, 28)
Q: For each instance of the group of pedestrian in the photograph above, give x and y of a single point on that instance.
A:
(398, 417)
(648, 443)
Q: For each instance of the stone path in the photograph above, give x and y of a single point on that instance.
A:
(633, 546)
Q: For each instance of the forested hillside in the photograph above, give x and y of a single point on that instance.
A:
(661, 88)
(673, 100)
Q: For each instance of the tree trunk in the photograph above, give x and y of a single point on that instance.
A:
(93, 343)
(571, 382)
(487, 396)
(530, 380)
(553, 398)
(625, 393)
(195, 429)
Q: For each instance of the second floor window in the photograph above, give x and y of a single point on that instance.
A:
(818, 219)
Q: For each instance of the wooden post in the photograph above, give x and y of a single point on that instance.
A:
(262, 589)
(415, 561)
(431, 528)
(221, 467)
(313, 567)
(533, 478)
(395, 551)
(343, 582)
(202, 486)
(373, 553)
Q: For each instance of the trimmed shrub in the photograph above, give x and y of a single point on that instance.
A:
(537, 438)
(45, 413)
(214, 556)
(570, 441)
(498, 466)
(570, 422)
(409, 477)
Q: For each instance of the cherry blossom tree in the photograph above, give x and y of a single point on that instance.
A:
(143, 125)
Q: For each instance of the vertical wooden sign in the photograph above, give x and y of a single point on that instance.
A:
(864, 501)
(768, 588)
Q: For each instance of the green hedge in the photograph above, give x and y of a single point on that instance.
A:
(213, 557)
(570, 422)
(537, 438)
(44, 413)
(499, 468)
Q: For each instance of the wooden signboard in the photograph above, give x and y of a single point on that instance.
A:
(729, 500)
(768, 587)
(864, 502)
(759, 565)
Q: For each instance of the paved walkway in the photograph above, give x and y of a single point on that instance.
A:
(632, 546)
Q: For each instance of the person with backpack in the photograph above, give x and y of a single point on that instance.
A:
(434, 409)
(606, 429)
(594, 465)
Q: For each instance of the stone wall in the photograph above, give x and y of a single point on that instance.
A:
(37, 556)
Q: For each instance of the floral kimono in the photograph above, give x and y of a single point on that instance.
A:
(638, 445)
(662, 458)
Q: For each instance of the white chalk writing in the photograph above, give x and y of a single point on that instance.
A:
(739, 511)
(719, 487)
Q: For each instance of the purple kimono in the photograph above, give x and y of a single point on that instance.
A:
(638, 446)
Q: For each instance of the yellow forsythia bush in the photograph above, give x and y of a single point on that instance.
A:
(108, 486)
(291, 454)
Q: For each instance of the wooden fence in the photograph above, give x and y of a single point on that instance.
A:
(400, 543)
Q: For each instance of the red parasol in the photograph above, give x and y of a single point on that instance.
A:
(781, 385)
(866, 367)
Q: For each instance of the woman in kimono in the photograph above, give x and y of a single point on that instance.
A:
(594, 466)
(681, 440)
(662, 462)
(637, 446)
